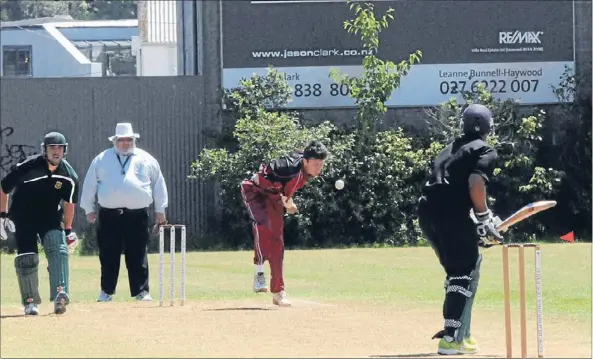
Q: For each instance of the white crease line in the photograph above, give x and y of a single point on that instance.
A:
(22, 307)
(315, 303)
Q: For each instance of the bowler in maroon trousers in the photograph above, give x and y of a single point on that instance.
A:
(267, 194)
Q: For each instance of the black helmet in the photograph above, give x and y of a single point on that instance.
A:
(476, 120)
(54, 139)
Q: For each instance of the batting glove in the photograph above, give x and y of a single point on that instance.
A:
(486, 229)
(71, 240)
(6, 225)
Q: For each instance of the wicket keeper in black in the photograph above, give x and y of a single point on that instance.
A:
(40, 183)
(457, 185)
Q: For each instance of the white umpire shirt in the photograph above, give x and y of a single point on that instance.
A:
(132, 184)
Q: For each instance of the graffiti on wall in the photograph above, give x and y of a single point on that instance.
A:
(10, 155)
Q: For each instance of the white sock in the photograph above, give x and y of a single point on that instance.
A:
(259, 268)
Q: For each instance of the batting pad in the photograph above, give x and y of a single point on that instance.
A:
(56, 250)
(466, 316)
(26, 266)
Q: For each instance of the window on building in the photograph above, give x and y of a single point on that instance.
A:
(16, 61)
(116, 56)
(119, 61)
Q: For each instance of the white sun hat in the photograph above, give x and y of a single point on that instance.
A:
(124, 130)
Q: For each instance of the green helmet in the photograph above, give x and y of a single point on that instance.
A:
(53, 139)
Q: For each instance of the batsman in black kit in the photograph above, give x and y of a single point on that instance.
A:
(457, 185)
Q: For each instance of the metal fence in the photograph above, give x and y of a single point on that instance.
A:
(168, 112)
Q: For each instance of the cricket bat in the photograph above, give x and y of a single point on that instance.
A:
(523, 213)
(520, 215)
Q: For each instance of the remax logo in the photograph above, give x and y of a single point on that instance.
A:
(519, 37)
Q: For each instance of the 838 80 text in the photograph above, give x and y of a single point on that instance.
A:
(493, 86)
(316, 90)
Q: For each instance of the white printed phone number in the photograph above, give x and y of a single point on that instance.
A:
(492, 86)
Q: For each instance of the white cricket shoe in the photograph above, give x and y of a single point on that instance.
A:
(31, 309)
(144, 296)
(259, 283)
(104, 297)
(281, 299)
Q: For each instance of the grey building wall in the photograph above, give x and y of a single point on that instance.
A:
(168, 112)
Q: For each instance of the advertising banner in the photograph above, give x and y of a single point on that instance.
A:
(517, 49)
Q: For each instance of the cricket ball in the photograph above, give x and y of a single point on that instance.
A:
(339, 184)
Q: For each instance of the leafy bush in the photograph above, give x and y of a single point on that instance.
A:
(377, 204)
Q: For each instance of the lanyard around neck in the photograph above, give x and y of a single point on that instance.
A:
(123, 165)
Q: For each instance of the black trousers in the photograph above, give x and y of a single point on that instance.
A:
(123, 230)
(452, 234)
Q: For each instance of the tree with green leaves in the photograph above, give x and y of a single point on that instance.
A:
(20, 10)
(380, 77)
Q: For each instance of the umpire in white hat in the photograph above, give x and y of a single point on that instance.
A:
(126, 181)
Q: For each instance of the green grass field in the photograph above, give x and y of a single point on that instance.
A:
(351, 279)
